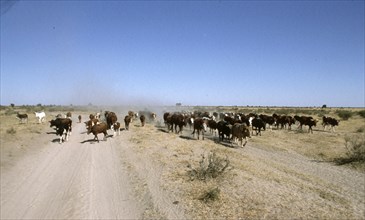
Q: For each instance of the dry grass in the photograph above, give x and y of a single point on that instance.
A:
(243, 190)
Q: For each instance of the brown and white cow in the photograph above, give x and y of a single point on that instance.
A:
(97, 129)
(201, 126)
(111, 119)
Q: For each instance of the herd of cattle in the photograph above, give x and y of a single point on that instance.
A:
(229, 126)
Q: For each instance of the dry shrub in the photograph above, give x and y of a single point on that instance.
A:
(355, 146)
(11, 131)
(210, 166)
(210, 195)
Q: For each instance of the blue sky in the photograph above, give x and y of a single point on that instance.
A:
(267, 53)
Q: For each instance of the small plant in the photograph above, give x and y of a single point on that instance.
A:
(344, 115)
(361, 129)
(355, 146)
(210, 166)
(211, 195)
(361, 113)
(11, 131)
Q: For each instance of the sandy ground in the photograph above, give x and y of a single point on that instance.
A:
(143, 174)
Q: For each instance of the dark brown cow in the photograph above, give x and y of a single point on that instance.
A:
(329, 121)
(224, 129)
(213, 125)
(201, 126)
(240, 131)
(309, 121)
(22, 117)
(127, 121)
(258, 124)
(79, 118)
(97, 129)
(111, 119)
(178, 120)
(142, 118)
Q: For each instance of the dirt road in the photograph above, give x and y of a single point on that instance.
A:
(142, 174)
(79, 179)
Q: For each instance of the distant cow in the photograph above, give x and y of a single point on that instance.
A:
(91, 123)
(79, 118)
(111, 119)
(165, 116)
(133, 115)
(212, 126)
(178, 120)
(224, 129)
(116, 127)
(240, 132)
(201, 126)
(150, 116)
(127, 121)
(309, 121)
(69, 115)
(22, 117)
(41, 116)
(330, 121)
(258, 124)
(63, 127)
(97, 129)
(142, 118)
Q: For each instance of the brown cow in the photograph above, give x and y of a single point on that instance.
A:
(97, 129)
(240, 131)
(143, 120)
(22, 117)
(111, 119)
(127, 121)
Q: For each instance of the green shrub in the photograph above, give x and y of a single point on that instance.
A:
(344, 114)
(361, 113)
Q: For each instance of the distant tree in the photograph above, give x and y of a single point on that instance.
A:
(178, 104)
(39, 105)
(12, 105)
(324, 106)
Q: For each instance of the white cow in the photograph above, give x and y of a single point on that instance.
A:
(41, 116)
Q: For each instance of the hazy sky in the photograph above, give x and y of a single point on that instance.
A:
(282, 53)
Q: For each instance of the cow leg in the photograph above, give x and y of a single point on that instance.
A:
(245, 142)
